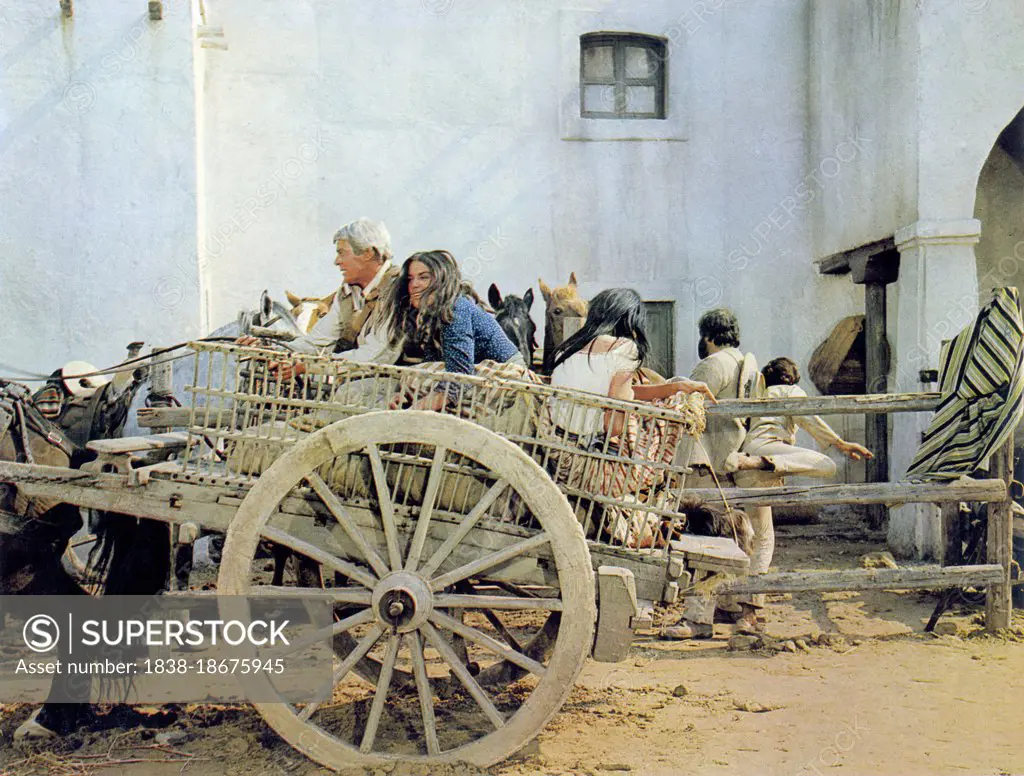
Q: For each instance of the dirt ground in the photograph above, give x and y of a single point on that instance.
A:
(873, 695)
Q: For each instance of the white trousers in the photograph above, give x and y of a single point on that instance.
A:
(788, 459)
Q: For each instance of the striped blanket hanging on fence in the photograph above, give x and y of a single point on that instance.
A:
(982, 383)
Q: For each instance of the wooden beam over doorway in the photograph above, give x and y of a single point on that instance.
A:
(840, 263)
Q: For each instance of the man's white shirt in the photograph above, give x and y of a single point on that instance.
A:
(371, 346)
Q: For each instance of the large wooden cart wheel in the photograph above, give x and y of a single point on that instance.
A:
(431, 592)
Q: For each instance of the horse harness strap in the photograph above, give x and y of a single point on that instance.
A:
(16, 405)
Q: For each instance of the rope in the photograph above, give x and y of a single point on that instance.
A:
(127, 365)
(721, 492)
(29, 375)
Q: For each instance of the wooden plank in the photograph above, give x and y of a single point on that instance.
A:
(720, 551)
(172, 440)
(826, 405)
(839, 263)
(879, 266)
(161, 499)
(998, 604)
(836, 264)
(920, 578)
(872, 493)
(155, 417)
(149, 417)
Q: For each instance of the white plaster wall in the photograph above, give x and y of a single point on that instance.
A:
(972, 85)
(456, 124)
(97, 181)
(864, 86)
(929, 86)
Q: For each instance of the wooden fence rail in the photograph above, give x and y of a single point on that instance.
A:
(864, 404)
(919, 578)
(892, 493)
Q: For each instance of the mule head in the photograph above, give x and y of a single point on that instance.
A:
(563, 301)
(307, 311)
(513, 315)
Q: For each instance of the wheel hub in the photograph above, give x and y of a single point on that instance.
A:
(402, 601)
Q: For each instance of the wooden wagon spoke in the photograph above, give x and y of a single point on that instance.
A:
(358, 653)
(341, 595)
(482, 639)
(438, 642)
(469, 601)
(387, 508)
(467, 524)
(419, 668)
(489, 561)
(322, 557)
(381, 695)
(499, 626)
(539, 648)
(322, 634)
(419, 538)
(333, 503)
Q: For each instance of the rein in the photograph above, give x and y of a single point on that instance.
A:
(127, 365)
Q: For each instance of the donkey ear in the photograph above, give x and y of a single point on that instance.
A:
(545, 290)
(329, 299)
(292, 299)
(528, 298)
(494, 296)
(572, 279)
(266, 303)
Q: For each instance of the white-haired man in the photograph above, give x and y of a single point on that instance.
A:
(364, 258)
(363, 254)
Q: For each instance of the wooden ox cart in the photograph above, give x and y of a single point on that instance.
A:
(476, 556)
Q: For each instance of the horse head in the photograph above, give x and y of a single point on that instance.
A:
(513, 315)
(269, 315)
(561, 303)
(307, 311)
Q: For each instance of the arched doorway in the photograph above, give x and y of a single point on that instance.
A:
(999, 205)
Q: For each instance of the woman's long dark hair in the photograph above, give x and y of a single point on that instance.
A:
(618, 312)
(422, 326)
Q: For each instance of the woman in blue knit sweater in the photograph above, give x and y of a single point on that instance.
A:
(428, 310)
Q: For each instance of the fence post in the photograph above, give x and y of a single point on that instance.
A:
(998, 606)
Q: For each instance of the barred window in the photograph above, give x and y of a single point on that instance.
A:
(622, 76)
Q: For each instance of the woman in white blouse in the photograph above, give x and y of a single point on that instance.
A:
(602, 358)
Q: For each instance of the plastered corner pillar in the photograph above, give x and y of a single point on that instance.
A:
(938, 296)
